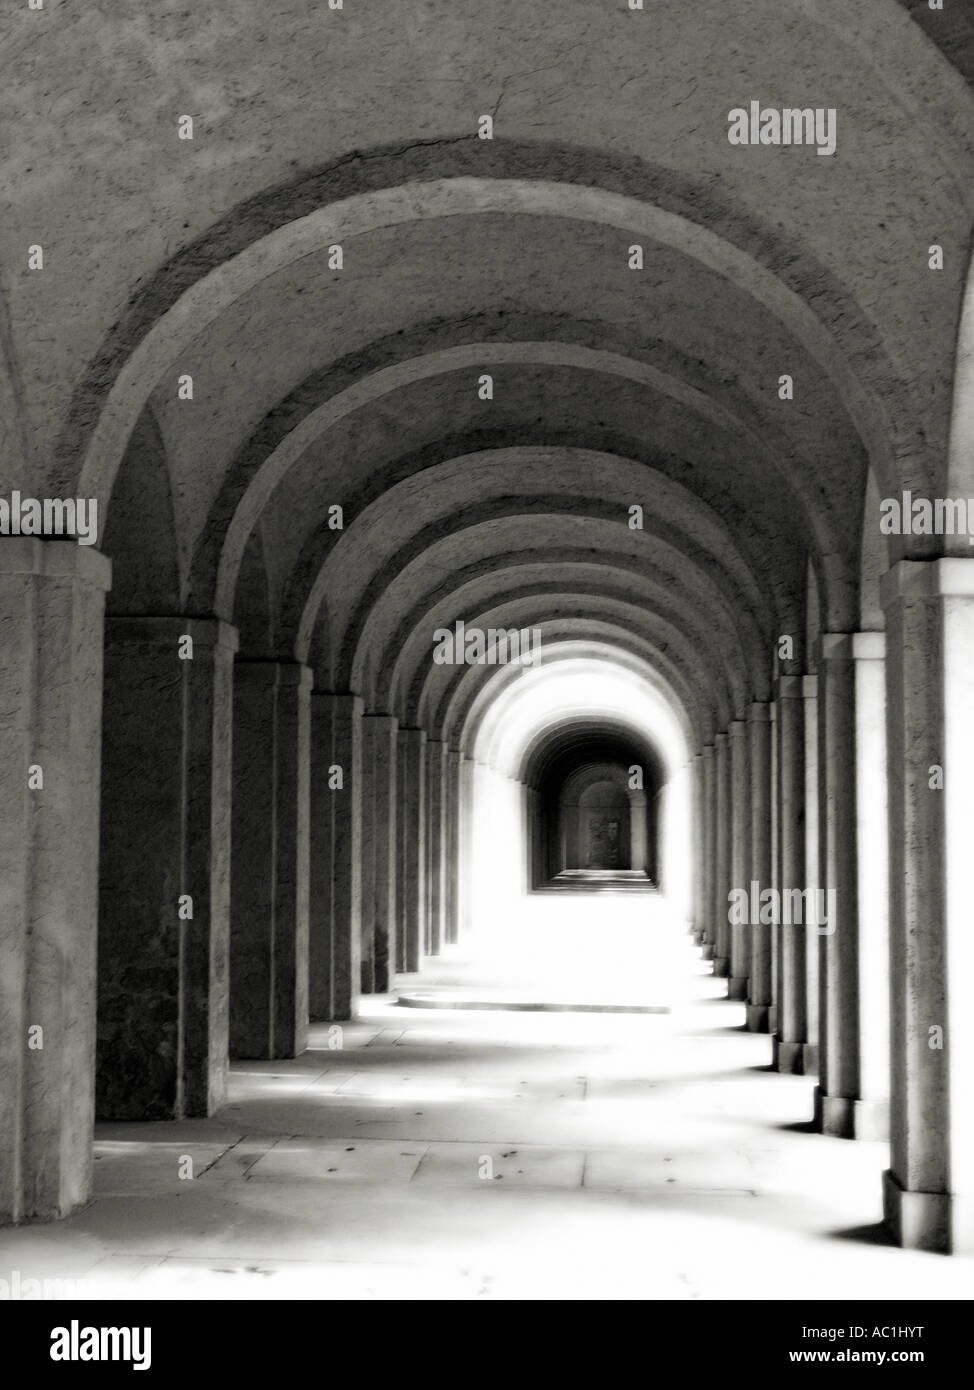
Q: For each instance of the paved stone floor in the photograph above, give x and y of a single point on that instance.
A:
(486, 1154)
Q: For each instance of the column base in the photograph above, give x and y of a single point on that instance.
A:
(722, 966)
(737, 987)
(707, 950)
(772, 1018)
(794, 1058)
(845, 1117)
(758, 1020)
(916, 1220)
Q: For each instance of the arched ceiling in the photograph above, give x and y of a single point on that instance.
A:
(317, 387)
(563, 675)
(595, 693)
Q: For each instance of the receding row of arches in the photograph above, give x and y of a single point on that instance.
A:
(260, 796)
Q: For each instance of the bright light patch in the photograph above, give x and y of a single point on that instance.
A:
(565, 687)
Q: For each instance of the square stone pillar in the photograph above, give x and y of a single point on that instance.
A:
(722, 867)
(759, 983)
(929, 608)
(524, 840)
(335, 905)
(740, 815)
(810, 687)
(52, 599)
(638, 857)
(697, 899)
(871, 1111)
(775, 821)
(164, 900)
(467, 767)
(541, 846)
(708, 926)
(293, 853)
(436, 754)
(852, 1101)
(791, 1052)
(269, 891)
(454, 759)
(380, 748)
(411, 829)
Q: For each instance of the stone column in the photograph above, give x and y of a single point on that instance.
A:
(708, 932)
(453, 760)
(759, 986)
(722, 870)
(790, 1039)
(466, 842)
(810, 685)
(545, 843)
(573, 855)
(871, 1113)
(270, 865)
(740, 801)
(335, 909)
(254, 849)
(528, 823)
(656, 816)
(697, 846)
(637, 832)
(379, 759)
(436, 752)
(411, 831)
(929, 609)
(852, 1100)
(775, 883)
(164, 901)
(52, 598)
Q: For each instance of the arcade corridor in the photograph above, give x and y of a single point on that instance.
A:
(458, 565)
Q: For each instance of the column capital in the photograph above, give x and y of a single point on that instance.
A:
(737, 729)
(720, 740)
(707, 751)
(919, 579)
(759, 712)
(809, 687)
(790, 687)
(380, 714)
(852, 646)
(62, 559)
